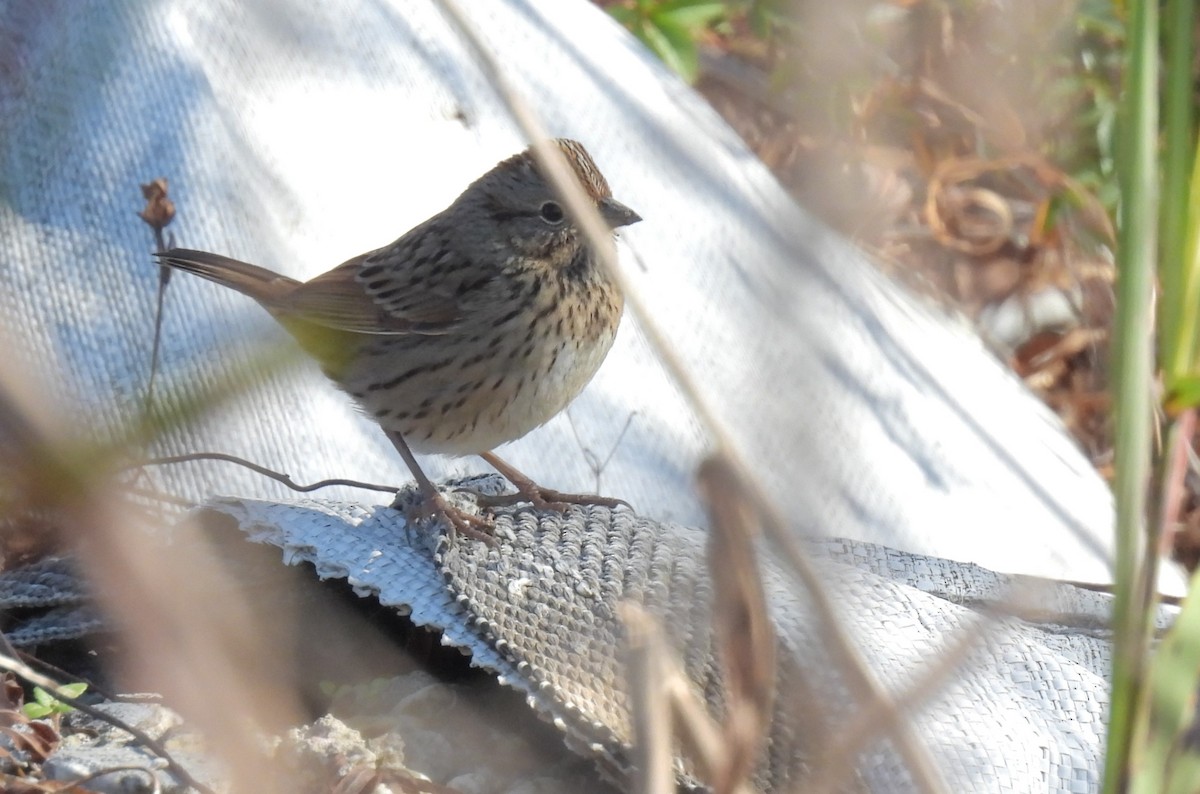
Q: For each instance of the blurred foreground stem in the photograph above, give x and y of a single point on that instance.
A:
(1133, 376)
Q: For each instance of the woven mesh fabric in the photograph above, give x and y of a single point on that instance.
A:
(47, 601)
(1024, 712)
(548, 597)
(539, 610)
(51, 581)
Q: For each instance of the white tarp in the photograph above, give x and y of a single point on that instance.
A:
(297, 134)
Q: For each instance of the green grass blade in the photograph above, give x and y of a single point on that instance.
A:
(1133, 375)
(1178, 302)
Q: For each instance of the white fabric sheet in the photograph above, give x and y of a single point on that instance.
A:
(298, 134)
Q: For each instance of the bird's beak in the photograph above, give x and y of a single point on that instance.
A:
(617, 214)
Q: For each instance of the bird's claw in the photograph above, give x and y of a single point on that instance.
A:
(549, 499)
(458, 521)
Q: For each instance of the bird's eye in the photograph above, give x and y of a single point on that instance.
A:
(552, 213)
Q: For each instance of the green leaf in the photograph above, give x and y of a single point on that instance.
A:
(36, 711)
(760, 21)
(72, 690)
(46, 704)
(673, 44)
(626, 16)
(1172, 702)
(1185, 773)
(1183, 392)
(691, 14)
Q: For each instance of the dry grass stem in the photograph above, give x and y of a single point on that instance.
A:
(182, 631)
(854, 666)
(653, 759)
(745, 637)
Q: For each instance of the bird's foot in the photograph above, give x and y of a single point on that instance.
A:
(536, 495)
(435, 506)
(547, 498)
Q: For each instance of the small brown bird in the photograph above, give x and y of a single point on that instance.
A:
(470, 330)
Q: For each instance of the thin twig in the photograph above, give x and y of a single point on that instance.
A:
(62, 674)
(6, 647)
(157, 214)
(862, 678)
(746, 640)
(159, 496)
(648, 704)
(593, 460)
(263, 470)
(840, 750)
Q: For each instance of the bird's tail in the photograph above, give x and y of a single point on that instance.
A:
(259, 283)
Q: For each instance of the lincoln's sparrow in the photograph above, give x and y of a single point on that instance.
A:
(469, 331)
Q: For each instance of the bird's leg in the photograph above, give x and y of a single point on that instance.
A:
(434, 505)
(536, 495)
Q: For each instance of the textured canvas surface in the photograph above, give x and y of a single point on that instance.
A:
(1023, 711)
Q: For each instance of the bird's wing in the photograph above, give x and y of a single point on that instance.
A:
(409, 287)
